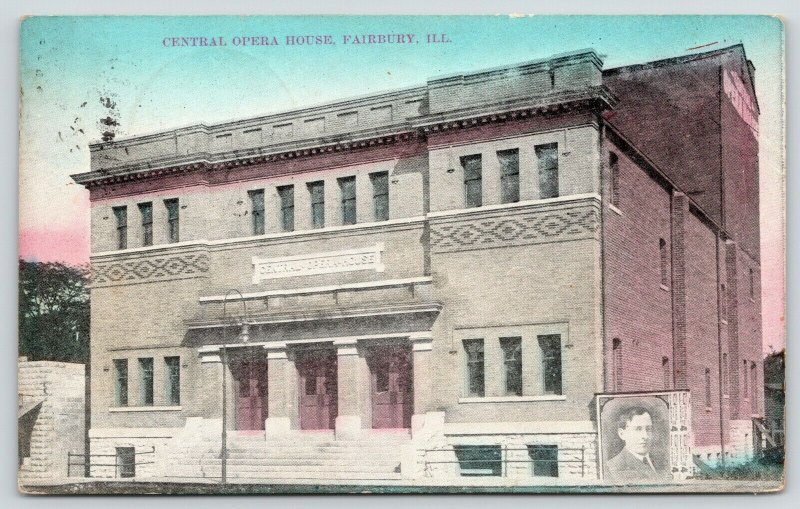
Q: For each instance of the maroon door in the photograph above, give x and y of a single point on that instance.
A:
(251, 393)
(318, 390)
(392, 388)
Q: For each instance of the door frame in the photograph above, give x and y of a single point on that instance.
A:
(372, 361)
(317, 356)
(239, 359)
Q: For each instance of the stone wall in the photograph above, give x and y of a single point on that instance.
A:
(51, 400)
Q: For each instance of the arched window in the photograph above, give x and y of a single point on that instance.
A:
(663, 261)
(616, 364)
(613, 164)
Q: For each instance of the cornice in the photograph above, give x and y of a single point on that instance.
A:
(415, 129)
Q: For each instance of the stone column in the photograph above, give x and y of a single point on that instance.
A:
(348, 420)
(422, 351)
(278, 383)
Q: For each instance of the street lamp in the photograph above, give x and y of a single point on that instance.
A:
(244, 336)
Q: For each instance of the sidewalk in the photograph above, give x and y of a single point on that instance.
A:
(167, 486)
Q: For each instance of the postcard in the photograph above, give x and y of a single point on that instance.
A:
(401, 254)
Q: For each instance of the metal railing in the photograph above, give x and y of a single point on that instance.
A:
(498, 466)
(87, 461)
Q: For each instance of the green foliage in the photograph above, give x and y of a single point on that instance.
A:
(53, 312)
(762, 469)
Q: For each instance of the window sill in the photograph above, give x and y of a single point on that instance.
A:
(145, 409)
(614, 209)
(725, 396)
(664, 287)
(723, 321)
(513, 399)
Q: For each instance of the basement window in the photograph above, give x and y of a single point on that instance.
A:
(544, 460)
(479, 460)
(126, 461)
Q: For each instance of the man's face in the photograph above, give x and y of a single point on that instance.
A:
(637, 434)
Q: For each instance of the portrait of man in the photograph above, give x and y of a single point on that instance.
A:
(635, 462)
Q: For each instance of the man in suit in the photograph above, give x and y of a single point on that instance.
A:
(634, 464)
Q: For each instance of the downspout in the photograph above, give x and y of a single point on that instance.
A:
(603, 194)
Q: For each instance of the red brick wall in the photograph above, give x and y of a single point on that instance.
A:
(680, 320)
(638, 310)
(702, 329)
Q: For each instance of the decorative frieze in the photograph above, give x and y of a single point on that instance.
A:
(145, 270)
(536, 226)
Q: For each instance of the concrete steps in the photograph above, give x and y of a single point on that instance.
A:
(312, 457)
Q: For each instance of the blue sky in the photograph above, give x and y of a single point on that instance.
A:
(66, 62)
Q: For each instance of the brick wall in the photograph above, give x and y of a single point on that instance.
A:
(638, 307)
(702, 334)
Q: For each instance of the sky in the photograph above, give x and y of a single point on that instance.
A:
(68, 64)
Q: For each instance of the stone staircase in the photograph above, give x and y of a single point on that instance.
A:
(303, 457)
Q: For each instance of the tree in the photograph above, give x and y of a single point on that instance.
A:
(53, 312)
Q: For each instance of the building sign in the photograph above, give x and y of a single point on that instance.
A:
(644, 437)
(318, 263)
(737, 93)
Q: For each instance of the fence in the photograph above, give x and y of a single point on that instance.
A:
(121, 468)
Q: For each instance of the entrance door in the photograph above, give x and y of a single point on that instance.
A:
(251, 393)
(318, 390)
(392, 388)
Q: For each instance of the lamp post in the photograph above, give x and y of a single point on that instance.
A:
(245, 336)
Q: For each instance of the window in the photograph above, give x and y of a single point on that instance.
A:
(475, 368)
(146, 211)
(547, 156)
(473, 188)
(753, 387)
(613, 164)
(286, 195)
(479, 460)
(551, 362)
(723, 302)
(146, 381)
(380, 195)
(752, 284)
(544, 460)
(667, 373)
(509, 175)
(746, 391)
(616, 364)
(126, 461)
(173, 234)
(121, 382)
(707, 380)
(172, 367)
(348, 189)
(725, 378)
(121, 215)
(257, 211)
(317, 192)
(512, 365)
(663, 261)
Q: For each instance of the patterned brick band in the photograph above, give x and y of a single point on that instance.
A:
(535, 227)
(143, 270)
